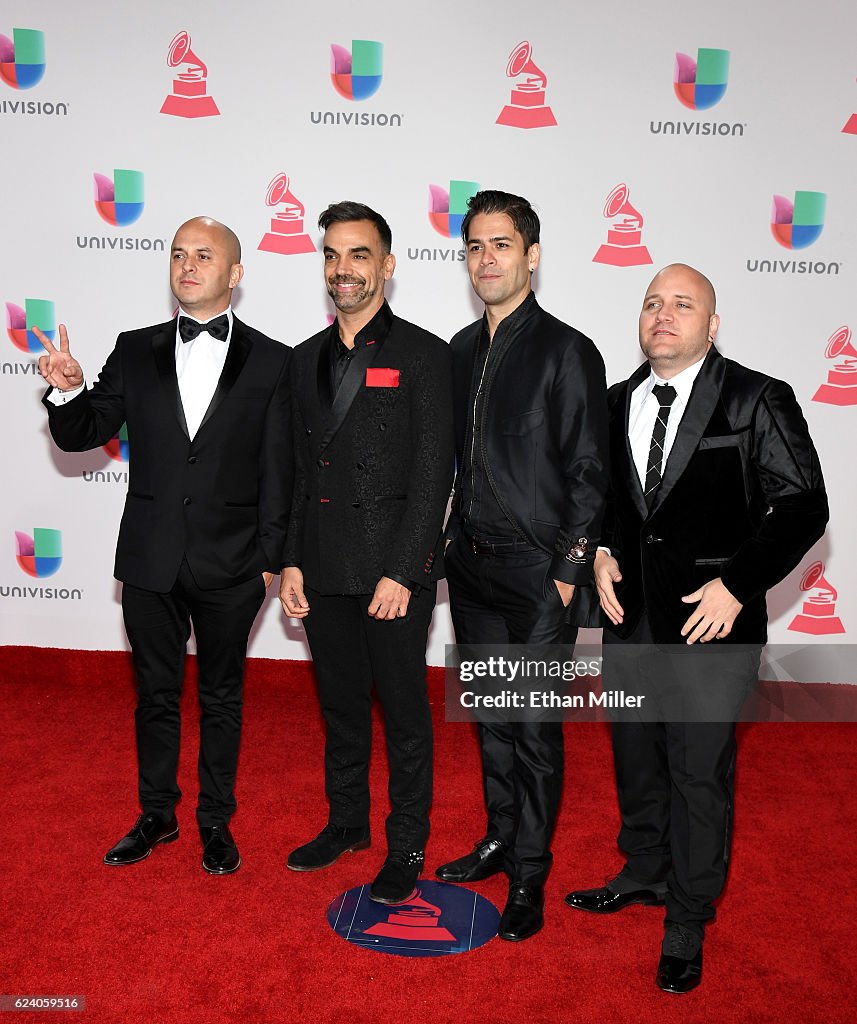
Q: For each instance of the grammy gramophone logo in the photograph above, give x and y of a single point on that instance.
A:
(818, 615)
(841, 385)
(416, 921)
(189, 97)
(624, 246)
(286, 235)
(526, 107)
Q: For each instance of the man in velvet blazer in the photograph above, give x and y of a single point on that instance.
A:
(374, 459)
(206, 402)
(715, 495)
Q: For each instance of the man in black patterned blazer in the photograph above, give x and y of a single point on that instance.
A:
(374, 451)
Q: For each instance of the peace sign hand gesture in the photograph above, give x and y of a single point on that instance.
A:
(59, 367)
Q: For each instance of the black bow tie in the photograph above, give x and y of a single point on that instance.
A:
(218, 328)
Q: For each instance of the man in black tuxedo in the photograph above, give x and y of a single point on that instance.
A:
(372, 408)
(715, 495)
(206, 402)
(531, 442)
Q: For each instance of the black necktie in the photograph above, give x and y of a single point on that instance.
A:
(218, 328)
(665, 394)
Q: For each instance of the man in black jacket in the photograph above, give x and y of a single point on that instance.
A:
(531, 441)
(715, 495)
(374, 453)
(206, 402)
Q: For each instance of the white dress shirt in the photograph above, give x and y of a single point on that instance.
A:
(199, 364)
(643, 412)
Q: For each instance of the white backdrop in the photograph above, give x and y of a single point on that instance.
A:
(703, 181)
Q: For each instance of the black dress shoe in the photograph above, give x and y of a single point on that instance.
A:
(219, 853)
(396, 882)
(618, 893)
(523, 914)
(327, 847)
(148, 831)
(680, 966)
(485, 860)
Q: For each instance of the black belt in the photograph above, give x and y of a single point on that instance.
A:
(497, 547)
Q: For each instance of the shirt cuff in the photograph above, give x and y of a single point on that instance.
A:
(56, 397)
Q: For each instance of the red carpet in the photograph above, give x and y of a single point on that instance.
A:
(163, 942)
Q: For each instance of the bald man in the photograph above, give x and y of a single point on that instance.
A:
(715, 495)
(206, 404)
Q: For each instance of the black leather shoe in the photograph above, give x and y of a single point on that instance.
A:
(523, 914)
(485, 860)
(219, 853)
(148, 831)
(327, 847)
(396, 882)
(680, 966)
(618, 893)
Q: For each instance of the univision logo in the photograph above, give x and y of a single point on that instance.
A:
(119, 201)
(796, 224)
(20, 323)
(22, 65)
(40, 556)
(356, 75)
(700, 84)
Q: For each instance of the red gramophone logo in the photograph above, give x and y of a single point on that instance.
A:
(526, 107)
(287, 236)
(818, 615)
(841, 386)
(188, 98)
(623, 247)
(417, 919)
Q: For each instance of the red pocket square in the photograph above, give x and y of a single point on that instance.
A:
(381, 377)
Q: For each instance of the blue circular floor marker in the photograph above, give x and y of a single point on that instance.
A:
(440, 920)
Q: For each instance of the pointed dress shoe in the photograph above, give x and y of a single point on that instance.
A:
(396, 882)
(680, 966)
(485, 860)
(327, 847)
(618, 893)
(523, 914)
(148, 831)
(219, 853)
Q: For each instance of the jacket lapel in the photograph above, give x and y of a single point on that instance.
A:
(703, 399)
(164, 349)
(629, 470)
(236, 357)
(351, 384)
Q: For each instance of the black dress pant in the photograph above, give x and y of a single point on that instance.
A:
(350, 649)
(675, 776)
(511, 599)
(158, 627)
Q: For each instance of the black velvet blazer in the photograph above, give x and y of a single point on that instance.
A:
(742, 498)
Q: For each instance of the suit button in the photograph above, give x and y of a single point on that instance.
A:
(355, 504)
(308, 431)
(360, 466)
(382, 426)
(320, 463)
(650, 539)
(193, 460)
(187, 501)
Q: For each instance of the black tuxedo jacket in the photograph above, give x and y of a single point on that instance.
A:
(374, 465)
(222, 499)
(742, 498)
(543, 434)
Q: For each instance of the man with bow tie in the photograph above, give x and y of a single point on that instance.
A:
(206, 402)
(372, 401)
